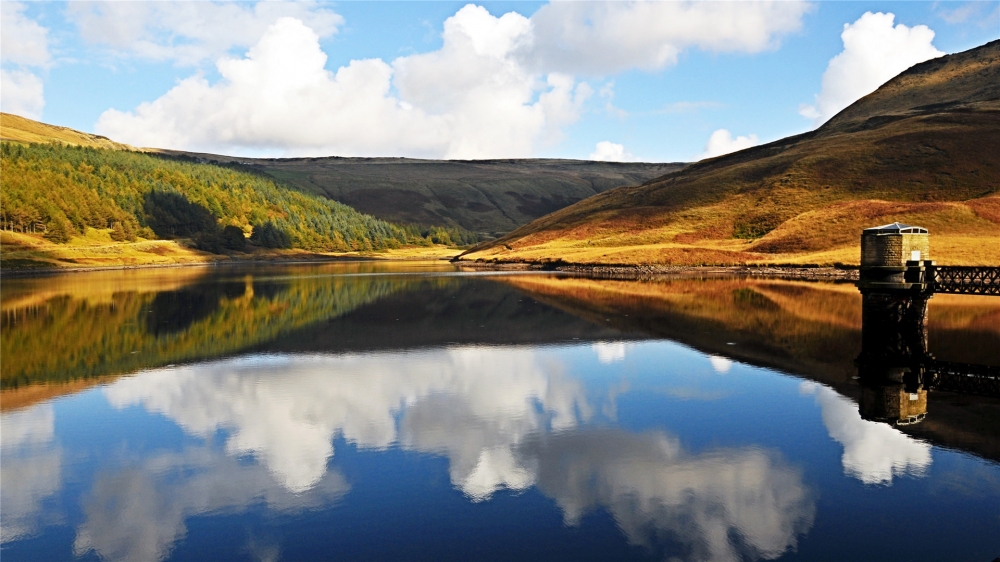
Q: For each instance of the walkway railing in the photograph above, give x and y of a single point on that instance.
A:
(966, 280)
(964, 377)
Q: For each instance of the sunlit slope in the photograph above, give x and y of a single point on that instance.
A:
(17, 128)
(922, 149)
(90, 206)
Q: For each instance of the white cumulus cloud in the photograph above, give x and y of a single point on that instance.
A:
(23, 44)
(31, 470)
(609, 351)
(498, 86)
(22, 41)
(610, 152)
(875, 51)
(22, 93)
(722, 142)
(720, 365)
(495, 398)
(598, 38)
(470, 99)
(188, 33)
(504, 418)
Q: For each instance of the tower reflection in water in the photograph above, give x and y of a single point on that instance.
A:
(892, 366)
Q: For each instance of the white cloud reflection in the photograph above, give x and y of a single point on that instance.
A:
(720, 364)
(609, 351)
(504, 418)
(873, 452)
(286, 410)
(30, 470)
(138, 513)
(724, 505)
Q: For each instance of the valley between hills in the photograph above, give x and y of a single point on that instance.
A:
(922, 149)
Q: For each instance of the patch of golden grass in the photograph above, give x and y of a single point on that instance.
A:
(25, 251)
(96, 249)
(19, 129)
(436, 252)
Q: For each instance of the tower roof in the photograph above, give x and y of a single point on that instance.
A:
(896, 228)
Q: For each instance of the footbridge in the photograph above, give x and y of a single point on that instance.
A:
(963, 280)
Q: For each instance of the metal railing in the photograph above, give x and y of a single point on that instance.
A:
(966, 280)
(964, 377)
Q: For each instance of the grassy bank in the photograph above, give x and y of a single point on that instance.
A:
(95, 249)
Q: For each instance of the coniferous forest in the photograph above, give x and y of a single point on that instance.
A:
(58, 191)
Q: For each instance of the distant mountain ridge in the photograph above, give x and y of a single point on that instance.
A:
(921, 149)
(490, 197)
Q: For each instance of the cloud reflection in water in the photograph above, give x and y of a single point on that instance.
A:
(873, 452)
(31, 469)
(505, 418)
(138, 513)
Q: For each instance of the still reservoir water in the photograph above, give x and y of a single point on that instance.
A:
(411, 411)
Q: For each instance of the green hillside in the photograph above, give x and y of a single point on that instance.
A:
(59, 191)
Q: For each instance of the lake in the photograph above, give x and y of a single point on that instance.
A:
(413, 411)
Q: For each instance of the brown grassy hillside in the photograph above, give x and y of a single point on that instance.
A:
(921, 149)
(490, 197)
(20, 129)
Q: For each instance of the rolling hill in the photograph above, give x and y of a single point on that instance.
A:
(20, 129)
(921, 149)
(56, 196)
(489, 197)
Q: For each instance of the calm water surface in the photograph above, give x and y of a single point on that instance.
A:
(415, 412)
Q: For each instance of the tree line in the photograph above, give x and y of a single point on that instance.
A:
(58, 191)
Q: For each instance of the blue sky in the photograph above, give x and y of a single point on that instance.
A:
(668, 81)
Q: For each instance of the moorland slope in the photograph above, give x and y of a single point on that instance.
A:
(20, 129)
(488, 197)
(921, 149)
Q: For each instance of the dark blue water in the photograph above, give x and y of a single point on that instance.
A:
(548, 436)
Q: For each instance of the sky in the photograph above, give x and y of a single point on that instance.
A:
(627, 81)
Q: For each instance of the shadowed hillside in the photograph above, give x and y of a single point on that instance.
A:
(489, 197)
(921, 149)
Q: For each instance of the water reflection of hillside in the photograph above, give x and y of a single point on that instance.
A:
(808, 329)
(64, 331)
(473, 311)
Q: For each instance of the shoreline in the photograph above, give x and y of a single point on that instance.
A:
(602, 271)
(272, 260)
(641, 272)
